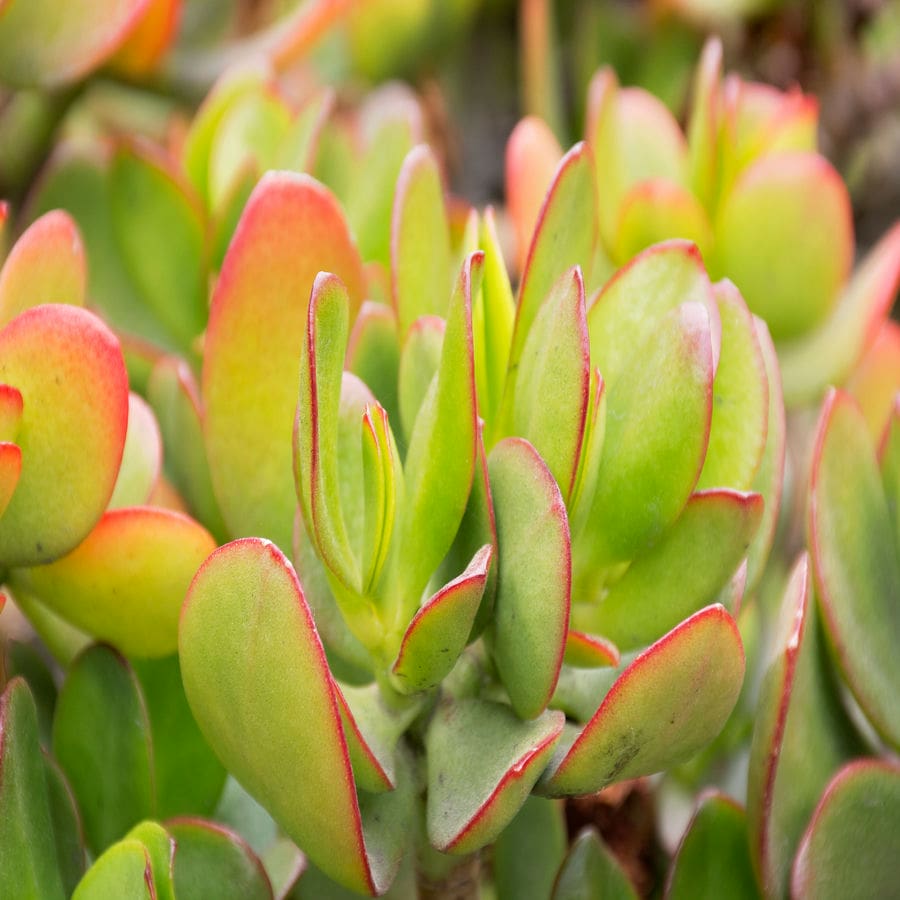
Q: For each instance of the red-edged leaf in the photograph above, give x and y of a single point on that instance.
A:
(876, 380)
(10, 412)
(291, 229)
(10, 469)
(850, 847)
(46, 265)
(419, 362)
(69, 369)
(440, 629)
(588, 651)
(671, 701)
(798, 709)
(141, 459)
(252, 663)
(855, 561)
(482, 764)
(125, 582)
(534, 581)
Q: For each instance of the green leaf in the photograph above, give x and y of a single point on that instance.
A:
(529, 851)
(124, 870)
(740, 414)
(667, 704)
(186, 773)
(704, 124)
(565, 236)
(421, 275)
(160, 847)
(876, 379)
(160, 230)
(43, 45)
(46, 265)
(659, 409)
(551, 401)
(850, 847)
(828, 354)
(175, 397)
(440, 462)
(713, 859)
(682, 573)
(534, 577)
(68, 833)
(381, 468)
(784, 235)
(71, 433)
(141, 458)
(798, 709)
(591, 872)
(420, 360)
(125, 582)
(24, 660)
(631, 305)
(102, 740)
(215, 863)
(588, 651)
(482, 763)
(440, 629)
(291, 229)
(252, 663)
(28, 860)
(855, 561)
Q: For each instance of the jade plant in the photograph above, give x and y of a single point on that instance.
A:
(386, 551)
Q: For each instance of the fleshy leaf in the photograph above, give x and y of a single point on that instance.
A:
(420, 360)
(69, 369)
(876, 380)
(125, 582)
(421, 275)
(667, 704)
(591, 872)
(565, 236)
(659, 409)
(251, 371)
(828, 354)
(380, 470)
(532, 156)
(46, 265)
(740, 415)
(160, 230)
(160, 849)
(534, 578)
(713, 860)
(10, 470)
(798, 708)
(124, 870)
(141, 459)
(855, 561)
(629, 307)
(439, 630)
(68, 832)
(529, 851)
(247, 633)
(101, 737)
(147, 44)
(45, 45)
(683, 572)
(28, 866)
(482, 764)
(10, 412)
(552, 393)
(588, 651)
(214, 863)
(187, 775)
(784, 235)
(703, 129)
(849, 850)
(25, 660)
(440, 462)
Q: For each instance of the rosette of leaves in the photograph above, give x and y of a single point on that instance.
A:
(519, 524)
(747, 186)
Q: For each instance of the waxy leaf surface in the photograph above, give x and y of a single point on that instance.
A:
(855, 562)
(591, 872)
(126, 581)
(671, 701)
(482, 763)
(534, 576)
(291, 229)
(46, 265)
(683, 572)
(798, 709)
(28, 867)
(141, 458)
(419, 363)
(124, 870)
(69, 369)
(68, 832)
(849, 851)
(421, 274)
(101, 737)
(252, 663)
